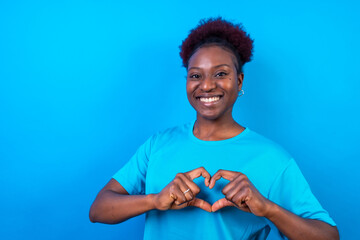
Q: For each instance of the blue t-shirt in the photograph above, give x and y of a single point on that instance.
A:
(271, 170)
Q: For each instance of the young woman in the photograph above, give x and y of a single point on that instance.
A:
(249, 181)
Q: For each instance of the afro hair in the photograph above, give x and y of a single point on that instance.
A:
(217, 31)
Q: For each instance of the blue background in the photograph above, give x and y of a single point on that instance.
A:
(84, 83)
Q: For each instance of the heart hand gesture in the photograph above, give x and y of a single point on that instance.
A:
(181, 192)
(240, 193)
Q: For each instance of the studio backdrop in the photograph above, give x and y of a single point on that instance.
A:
(84, 83)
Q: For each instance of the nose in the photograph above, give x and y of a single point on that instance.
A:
(207, 84)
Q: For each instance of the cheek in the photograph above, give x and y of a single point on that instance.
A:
(190, 87)
(230, 86)
(188, 92)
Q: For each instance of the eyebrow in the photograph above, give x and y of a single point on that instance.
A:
(217, 66)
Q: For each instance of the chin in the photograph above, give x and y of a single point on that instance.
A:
(208, 116)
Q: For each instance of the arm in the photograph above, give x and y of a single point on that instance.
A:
(295, 227)
(113, 204)
(242, 194)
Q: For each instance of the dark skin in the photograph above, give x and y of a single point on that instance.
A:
(212, 89)
(113, 204)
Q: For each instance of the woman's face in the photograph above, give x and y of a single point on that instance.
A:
(212, 83)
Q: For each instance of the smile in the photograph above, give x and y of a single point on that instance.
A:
(212, 99)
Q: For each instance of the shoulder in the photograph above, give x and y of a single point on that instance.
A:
(174, 131)
(267, 148)
(170, 135)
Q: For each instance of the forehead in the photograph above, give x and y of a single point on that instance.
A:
(209, 56)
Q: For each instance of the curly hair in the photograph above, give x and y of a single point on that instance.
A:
(219, 32)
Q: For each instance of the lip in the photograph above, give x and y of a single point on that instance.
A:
(208, 96)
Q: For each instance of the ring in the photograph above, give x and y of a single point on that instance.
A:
(187, 190)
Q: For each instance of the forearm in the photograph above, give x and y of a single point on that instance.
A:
(111, 207)
(295, 227)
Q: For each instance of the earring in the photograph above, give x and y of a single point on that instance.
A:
(241, 92)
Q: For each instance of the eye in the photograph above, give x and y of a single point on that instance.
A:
(196, 76)
(220, 74)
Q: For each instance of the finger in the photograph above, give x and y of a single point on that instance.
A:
(197, 202)
(240, 201)
(241, 198)
(177, 195)
(194, 189)
(245, 208)
(228, 175)
(214, 178)
(188, 194)
(231, 192)
(199, 172)
(184, 188)
(235, 186)
(221, 203)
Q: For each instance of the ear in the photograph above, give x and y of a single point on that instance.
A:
(240, 79)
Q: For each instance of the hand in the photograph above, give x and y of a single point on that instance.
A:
(176, 194)
(240, 193)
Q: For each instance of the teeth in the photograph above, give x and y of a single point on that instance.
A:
(212, 99)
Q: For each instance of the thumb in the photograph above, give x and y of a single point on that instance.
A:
(221, 203)
(197, 202)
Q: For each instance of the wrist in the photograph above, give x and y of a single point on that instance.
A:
(272, 211)
(151, 201)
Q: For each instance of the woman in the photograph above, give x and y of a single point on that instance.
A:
(249, 181)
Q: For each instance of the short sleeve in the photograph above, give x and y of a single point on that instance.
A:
(133, 174)
(291, 191)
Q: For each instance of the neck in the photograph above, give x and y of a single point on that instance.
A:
(214, 130)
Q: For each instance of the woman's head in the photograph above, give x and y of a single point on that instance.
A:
(218, 32)
(213, 55)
